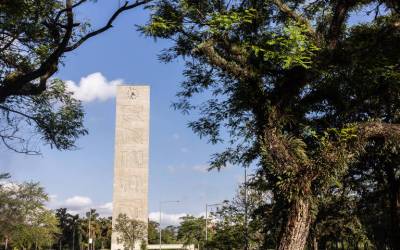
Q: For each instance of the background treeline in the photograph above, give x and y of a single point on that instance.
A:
(357, 215)
(26, 222)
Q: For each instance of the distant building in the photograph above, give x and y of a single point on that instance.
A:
(172, 247)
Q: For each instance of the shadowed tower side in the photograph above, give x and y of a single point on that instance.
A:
(131, 158)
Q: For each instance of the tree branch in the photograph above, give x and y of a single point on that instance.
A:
(108, 25)
(206, 48)
(9, 43)
(368, 130)
(394, 5)
(24, 149)
(64, 10)
(340, 13)
(5, 138)
(295, 16)
(15, 85)
(17, 112)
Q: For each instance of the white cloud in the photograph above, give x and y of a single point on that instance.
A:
(166, 219)
(201, 168)
(53, 198)
(77, 202)
(93, 87)
(108, 206)
(80, 205)
(105, 209)
(176, 136)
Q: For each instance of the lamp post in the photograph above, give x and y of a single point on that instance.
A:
(89, 239)
(163, 202)
(209, 205)
(245, 210)
(73, 237)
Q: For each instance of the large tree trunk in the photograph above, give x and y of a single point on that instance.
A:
(295, 233)
(315, 243)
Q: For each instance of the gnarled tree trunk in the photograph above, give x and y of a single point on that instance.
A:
(314, 243)
(295, 232)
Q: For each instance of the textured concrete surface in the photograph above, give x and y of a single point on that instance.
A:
(131, 155)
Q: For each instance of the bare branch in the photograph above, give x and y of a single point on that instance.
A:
(24, 149)
(17, 112)
(108, 25)
(64, 10)
(9, 43)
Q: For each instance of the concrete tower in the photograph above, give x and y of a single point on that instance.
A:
(131, 158)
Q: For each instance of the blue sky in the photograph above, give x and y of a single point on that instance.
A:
(82, 178)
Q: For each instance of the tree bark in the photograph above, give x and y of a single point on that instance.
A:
(315, 243)
(295, 232)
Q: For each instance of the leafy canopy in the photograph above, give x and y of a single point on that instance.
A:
(35, 36)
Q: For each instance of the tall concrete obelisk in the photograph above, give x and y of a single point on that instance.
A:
(131, 155)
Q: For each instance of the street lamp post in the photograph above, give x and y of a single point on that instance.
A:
(245, 211)
(89, 239)
(163, 202)
(209, 205)
(73, 237)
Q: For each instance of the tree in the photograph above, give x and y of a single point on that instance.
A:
(75, 230)
(373, 180)
(227, 225)
(191, 231)
(69, 226)
(35, 35)
(92, 227)
(38, 231)
(105, 232)
(169, 235)
(266, 69)
(130, 231)
(152, 232)
(370, 55)
(24, 220)
(337, 221)
(63, 220)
